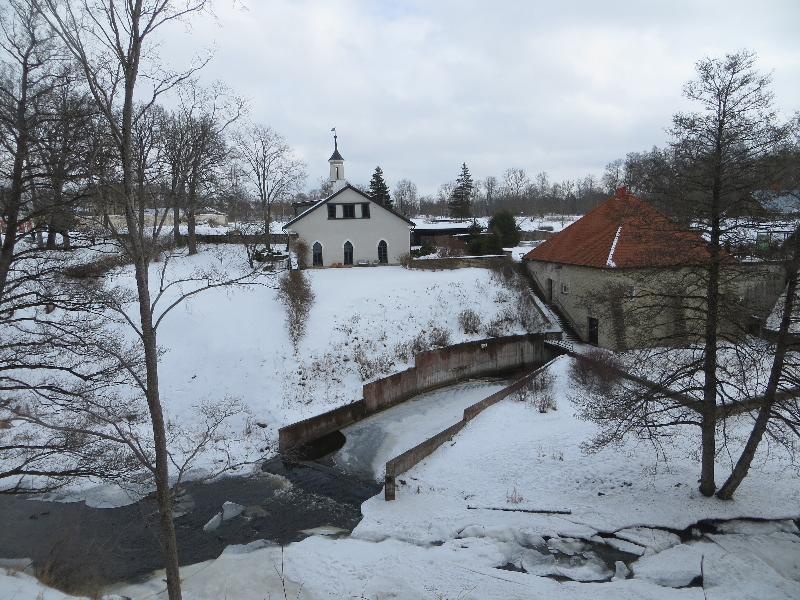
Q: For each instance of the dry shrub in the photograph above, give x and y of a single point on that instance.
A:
(596, 371)
(65, 571)
(301, 249)
(294, 290)
(469, 321)
(433, 336)
(405, 260)
(539, 391)
(97, 268)
(514, 497)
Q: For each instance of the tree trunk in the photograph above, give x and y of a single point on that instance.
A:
(742, 466)
(190, 220)
(163, 491)
(14, 201)
(176, 224)
(266, 207)
(51, 235)
(136, 233)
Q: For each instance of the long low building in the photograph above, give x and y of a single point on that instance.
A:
(625, 276)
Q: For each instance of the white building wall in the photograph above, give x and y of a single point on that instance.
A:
(364, 234)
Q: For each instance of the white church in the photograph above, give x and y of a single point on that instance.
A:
(348, 227)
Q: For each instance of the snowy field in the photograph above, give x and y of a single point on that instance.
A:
(231, 345)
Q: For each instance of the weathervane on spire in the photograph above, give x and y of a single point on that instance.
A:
(335, 140)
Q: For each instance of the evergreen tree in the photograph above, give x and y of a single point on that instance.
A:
(504, 226)
(378, 190)
(461, 200)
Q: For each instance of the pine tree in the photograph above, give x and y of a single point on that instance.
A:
(378, 190)
(461, 201)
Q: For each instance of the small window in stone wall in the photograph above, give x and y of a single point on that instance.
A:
(349, 211)
(331, 211)
(565, 288)
(365, 210)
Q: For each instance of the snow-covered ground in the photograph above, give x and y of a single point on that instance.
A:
(444, 537)
(231, 344)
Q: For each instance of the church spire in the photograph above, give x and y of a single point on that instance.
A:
(337, 165)
(335, 155)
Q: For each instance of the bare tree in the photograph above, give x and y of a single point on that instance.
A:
(515, 182)
(718, 153)
(110, 43)
(700, 363)
(28, 78)
(196, 149)
(271, 167)
(405, 195)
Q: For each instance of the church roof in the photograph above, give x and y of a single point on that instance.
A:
(332, 196)
(623, 232)
(336, 155)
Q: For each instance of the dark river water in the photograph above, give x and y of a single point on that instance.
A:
(79, 544)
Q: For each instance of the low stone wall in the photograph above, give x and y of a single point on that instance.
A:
(444, 366)
(432, 369)
(315, 427)
(435, 264)
(410, 458)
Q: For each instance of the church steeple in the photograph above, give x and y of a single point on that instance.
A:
(337, 165)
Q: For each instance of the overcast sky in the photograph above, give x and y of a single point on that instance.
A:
(419, 86)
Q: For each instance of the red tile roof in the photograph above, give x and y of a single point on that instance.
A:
(623, 233)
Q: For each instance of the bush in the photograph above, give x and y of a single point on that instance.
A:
(301, 249)
(539, 391)
(426, 249)
(485, 245)
(469, 321)
(439, 337)
(294, 290)
(597, 371)
(495, 328)
(405, 260)
(434, 336)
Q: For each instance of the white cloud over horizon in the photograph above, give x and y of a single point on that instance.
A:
(421, 86)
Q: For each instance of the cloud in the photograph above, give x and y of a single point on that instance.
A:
(419, 87)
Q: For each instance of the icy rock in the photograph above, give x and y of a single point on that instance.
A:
(326, 530)
(231, 510)
(248, 548)
(567, 546)
(621, 571)
(537, 563)
(214, 523)
(625, 546)
(675, 567)
(758, 527)
(589, 567)
(654, 540)
(530, 539)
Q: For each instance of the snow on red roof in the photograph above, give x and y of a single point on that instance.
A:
(624, 232)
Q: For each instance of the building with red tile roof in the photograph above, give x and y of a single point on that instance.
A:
(623, 233)
(624, 275)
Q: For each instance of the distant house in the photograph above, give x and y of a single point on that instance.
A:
(348, 227)
(620, 276)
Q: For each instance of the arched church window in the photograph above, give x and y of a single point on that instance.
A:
(383, 252)
(317, 249)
